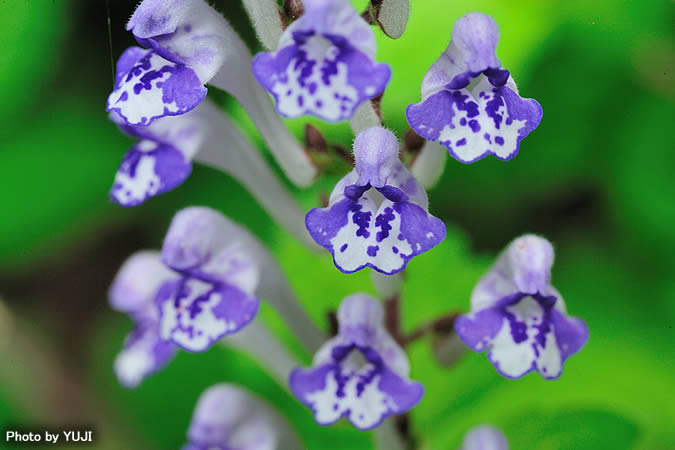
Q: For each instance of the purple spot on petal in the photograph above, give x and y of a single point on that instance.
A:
(383, 221)
(364, 77)
(362, 219)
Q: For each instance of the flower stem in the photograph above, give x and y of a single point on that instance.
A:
(257, 341)
(228, 150)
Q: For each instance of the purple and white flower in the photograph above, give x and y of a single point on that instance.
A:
(224, 270)
(484, 437)
(378, 213)
(203, 286)
(229, 417)
(324, 64)
(187, 45)
(215, 295)
(361, 374)
(470, 104)
(519, 316)
(133, 292)
(162, 159)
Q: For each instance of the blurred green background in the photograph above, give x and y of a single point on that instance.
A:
(596, 178)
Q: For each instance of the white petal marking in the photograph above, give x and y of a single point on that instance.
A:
(365, 410)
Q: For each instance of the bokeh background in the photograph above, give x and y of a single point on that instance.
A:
(596, 178)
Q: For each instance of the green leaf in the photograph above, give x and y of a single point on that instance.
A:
(575, 429)
(32, 35)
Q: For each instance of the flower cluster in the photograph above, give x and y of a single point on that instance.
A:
(206, 283)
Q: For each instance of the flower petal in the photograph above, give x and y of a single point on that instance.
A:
(152, 88)
(485, 437)
(570, 333)
(233, 265)
(143, 354)
(523, 267)
(147, 170)
(470, 53)
(204, 244)
(472, 125)
(186, 132)
(478, 330)
(227, 416)
(194, 235)
(365, 398)
(136, 284)
(195, 314)
(525, 341)
(361, 323)
(188, 32)
(336, 17)
(360, 317)
(320, 74)
(358, 234)
(472, 49)
(129, 58)
(376, 156)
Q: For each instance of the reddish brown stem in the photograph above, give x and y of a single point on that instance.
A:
(332, 323)
(323, 201)
(314, 139)
(392, 318)
(441, 325)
